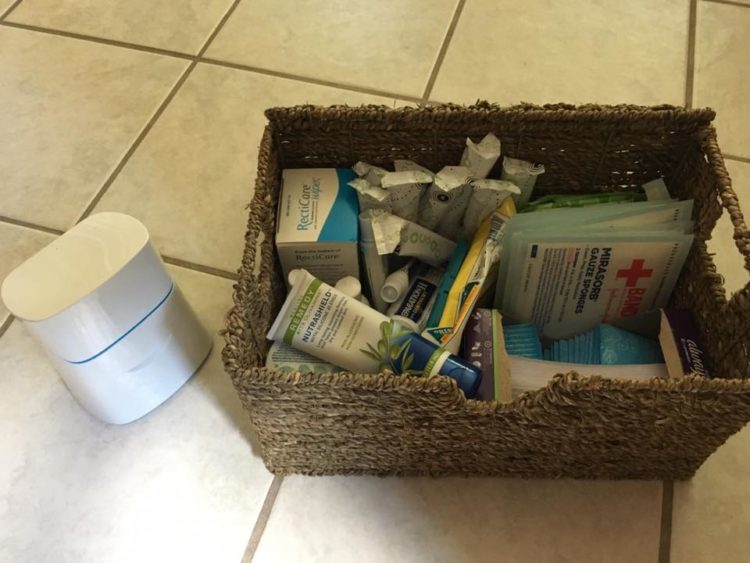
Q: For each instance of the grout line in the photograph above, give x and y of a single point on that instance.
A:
(34, 226)
(736, 157)
(665, 537)
(215, 62)
(443, 50)
(310, 80)
(729, 3)
(159, 111)
(260, 523)
(187, 264)
(139, 139)
(690, 72)
(12, 7)
(218, 27)
(6, 325)
(218, 272)
(101, 40)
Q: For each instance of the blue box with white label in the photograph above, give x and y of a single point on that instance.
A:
(317, 225)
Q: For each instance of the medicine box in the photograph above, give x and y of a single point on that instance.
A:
(316, 226)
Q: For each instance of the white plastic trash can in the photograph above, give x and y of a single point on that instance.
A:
(117, 328)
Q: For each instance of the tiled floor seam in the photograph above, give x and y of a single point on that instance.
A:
(137, 143)
(729, 3)
(210, 61)
(262, 520)
(99, 40)
(186, 264)
(10, 9)
(159, 111)
(27, 225)
(665, 537)
(690, 71)
(155, 117)
(443, 50)
(310, 80)
(6, 324)
(218, 27)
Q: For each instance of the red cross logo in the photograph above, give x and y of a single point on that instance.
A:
(635, 272)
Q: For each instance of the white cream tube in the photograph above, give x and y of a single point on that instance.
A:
(523, 174)
(481, 157)
(394, 235)
(405, 189)
(486, 196)
(282, 357)
(319, 320)
(445, 201)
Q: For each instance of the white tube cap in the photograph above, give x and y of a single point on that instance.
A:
(349, 285)
(395, 286)
(294, 275)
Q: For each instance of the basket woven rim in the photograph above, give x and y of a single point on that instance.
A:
(304, 115)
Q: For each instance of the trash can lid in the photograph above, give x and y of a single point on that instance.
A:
(75, 264)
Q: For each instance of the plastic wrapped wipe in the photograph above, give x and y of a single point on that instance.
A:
(369, 196)
(395, 235)
(443, 205)
(373, 174)
(523, 174)
(486, 196)
(481, 157)
(405, 190)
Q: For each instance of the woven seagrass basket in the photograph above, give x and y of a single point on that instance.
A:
(575, 427)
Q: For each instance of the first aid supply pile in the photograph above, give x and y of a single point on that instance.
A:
(454, 273)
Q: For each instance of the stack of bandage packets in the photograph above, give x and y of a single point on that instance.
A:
(569, 270)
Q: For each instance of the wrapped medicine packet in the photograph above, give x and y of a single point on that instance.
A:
(445, 201)
(486, 196)
(404, 165)
(481, 157)
(373, 174)
(405, 190)
(394, 235)
(369, 196)
(523, 174)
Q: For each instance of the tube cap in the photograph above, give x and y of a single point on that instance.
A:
(349, 285)
(294, 275)
(395, 286)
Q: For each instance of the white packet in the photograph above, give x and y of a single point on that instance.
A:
(373, 174)
(394, 235)
(369, 196)
(405, 190)
(523, 174)
(481, 157)
(404, 165)
(445, 201)
(486, 196)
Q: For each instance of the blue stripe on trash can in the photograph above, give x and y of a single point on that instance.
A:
(135, 326)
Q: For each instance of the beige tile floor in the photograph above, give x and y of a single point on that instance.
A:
(155, 109)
